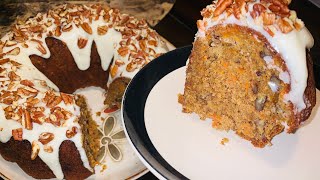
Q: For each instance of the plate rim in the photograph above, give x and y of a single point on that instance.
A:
(138, 152)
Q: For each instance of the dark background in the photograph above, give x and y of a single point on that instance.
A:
(179, 28)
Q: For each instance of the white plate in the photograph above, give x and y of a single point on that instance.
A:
(192, 147)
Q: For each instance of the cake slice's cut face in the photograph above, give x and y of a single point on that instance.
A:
(234, 78)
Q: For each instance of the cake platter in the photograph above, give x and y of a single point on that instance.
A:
(175, 145)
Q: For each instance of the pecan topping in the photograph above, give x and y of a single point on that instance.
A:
(26, 121)
(55, 101)
(284, 26)
(37, 117)
(86, 27)
(221, 6)
(17, 134)
(35, 150)
(67, 99)
(72, 132)
(268, 18)
(46, 137)
(47, 149)
(131, 67)
(114, 70)
(13, 76)
(82, 43)
(123, 51)
(42, 49)
(102, 30)
(119, 62)
(15, 51)
(67, 28)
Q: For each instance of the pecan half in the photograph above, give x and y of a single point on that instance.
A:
(82, 43)
(102, 30)
(27, 83)
(114, 70)
(284, 26)
(221, 6)
(26, 121)
(86, 27)
(13, 76)
(67, 99)
(15, 51)
(48, 149)
(54, 102)
(123, 51)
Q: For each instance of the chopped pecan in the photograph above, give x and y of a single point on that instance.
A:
(46, 137)
(257, 10)
(48, 149)
(27, 83)
(268, 18)
(37, 117)
(35, 150)
(31, 101)
(221, 6)
(4, 61)
(123, 51)
(71, 132)
(41, 49)
(57, 31)
(17, 134)
(142, 44)
(119, 62)
(67, 99)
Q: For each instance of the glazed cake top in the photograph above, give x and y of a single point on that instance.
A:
(281, 27)
(31, 108)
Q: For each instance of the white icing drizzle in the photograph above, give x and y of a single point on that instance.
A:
(291, 46)
(107, 44)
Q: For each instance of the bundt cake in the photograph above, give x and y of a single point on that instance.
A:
(44, 127)
(250, 70)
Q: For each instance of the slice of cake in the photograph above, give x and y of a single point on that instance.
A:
(250, 70)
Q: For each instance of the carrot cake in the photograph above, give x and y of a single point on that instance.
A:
(45, 128)
(250, 70)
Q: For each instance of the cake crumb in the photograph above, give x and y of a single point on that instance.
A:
(98, 113)
(104, 167)
(224, 141)
(1, 128)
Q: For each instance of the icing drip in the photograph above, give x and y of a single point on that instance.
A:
(78, 30)
(292, 46)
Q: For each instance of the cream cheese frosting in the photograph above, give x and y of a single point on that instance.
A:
(291, 45)
(123, 43)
